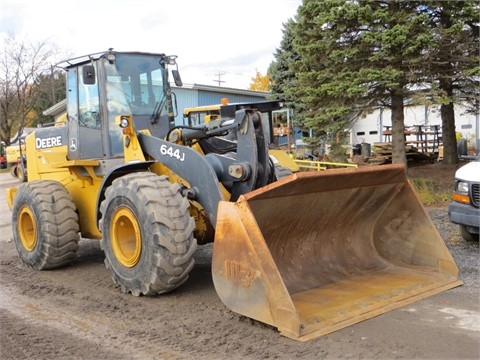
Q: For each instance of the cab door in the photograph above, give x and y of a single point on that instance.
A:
(84, 118)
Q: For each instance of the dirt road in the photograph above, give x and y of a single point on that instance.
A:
(77, 313)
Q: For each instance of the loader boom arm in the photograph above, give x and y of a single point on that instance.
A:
(248, 170)
(191, 166)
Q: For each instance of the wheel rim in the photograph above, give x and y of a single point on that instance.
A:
(27, 228)
(125, 237)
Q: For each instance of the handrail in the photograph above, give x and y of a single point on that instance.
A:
(321, 165)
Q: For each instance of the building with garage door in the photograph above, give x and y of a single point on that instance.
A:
(423, 125)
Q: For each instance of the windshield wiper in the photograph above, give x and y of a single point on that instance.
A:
(157, 110)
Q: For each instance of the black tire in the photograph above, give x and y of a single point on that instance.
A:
(467, 235)
(45, 225)
(277, 171)
(281, 172)
(21, 173)
(13, 171)
(147, 234)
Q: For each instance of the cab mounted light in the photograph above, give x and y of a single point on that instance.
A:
(171, 59)
(111, 56)
(124, 122)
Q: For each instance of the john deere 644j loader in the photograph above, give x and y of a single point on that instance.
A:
(307, 253)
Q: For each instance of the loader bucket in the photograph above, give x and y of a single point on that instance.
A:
(318, 251)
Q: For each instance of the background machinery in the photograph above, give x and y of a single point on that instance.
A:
(308, 253)
(16, 160)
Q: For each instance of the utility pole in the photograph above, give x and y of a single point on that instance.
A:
(219, 76)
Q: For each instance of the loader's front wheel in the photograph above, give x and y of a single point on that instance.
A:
(45, 225)
(147, 234)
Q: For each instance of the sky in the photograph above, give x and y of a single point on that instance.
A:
(217, 42)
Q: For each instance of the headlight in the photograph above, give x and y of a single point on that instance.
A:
(461, 192)
(462, 187)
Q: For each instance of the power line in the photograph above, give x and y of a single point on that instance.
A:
(219, 75)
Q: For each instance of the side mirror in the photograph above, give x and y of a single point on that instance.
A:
(88, 72)
(177, 78)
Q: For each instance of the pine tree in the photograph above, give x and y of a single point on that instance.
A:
(283, 73)
(358, 55)
(454, 63)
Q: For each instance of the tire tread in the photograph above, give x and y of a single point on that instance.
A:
(170, 228)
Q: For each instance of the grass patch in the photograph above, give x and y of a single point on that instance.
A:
(429, 194)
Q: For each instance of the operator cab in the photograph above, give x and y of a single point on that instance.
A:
(102, 86)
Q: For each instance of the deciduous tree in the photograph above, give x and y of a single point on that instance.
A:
(21, 64)
(260, 82)
(50, 89)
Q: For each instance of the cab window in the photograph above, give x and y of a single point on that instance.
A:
(89, 105)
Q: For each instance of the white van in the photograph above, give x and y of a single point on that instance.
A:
(464, 209)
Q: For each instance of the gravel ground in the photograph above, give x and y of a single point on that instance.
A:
(466, 254)
(77, 313)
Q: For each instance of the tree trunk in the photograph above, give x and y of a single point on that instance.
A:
(398, 129)
(447, 112)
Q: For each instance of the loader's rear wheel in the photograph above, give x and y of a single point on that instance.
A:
(45, 225)
(147, 234)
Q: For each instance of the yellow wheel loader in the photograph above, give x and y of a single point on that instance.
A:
(17, 161)
(307, 253)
